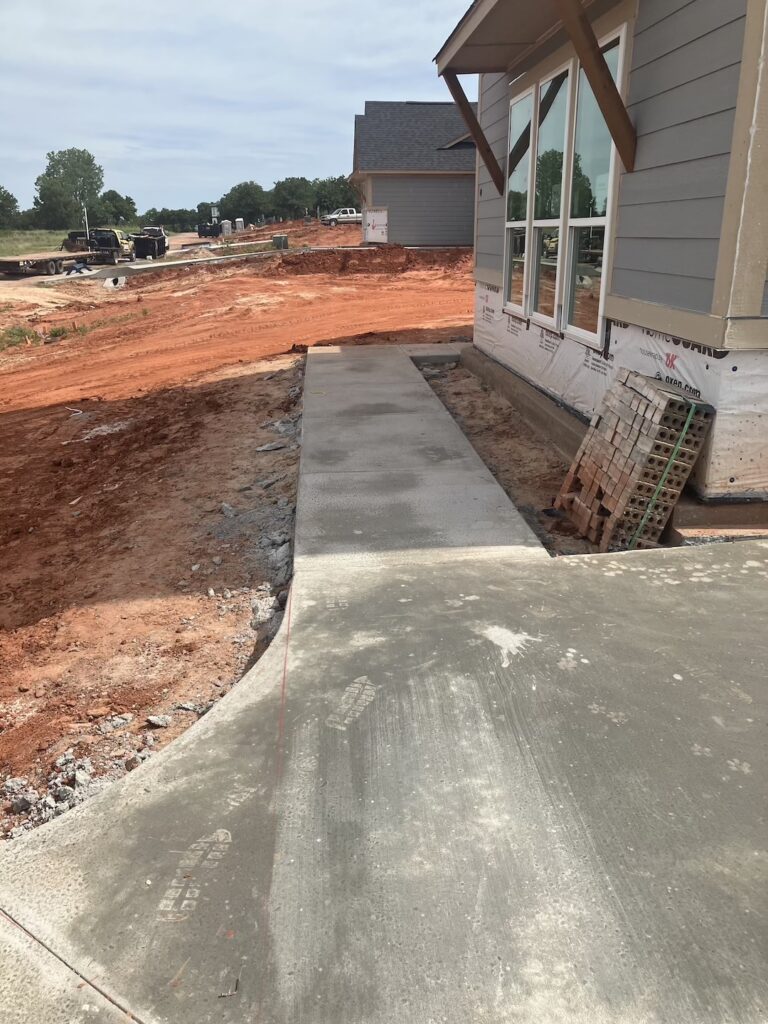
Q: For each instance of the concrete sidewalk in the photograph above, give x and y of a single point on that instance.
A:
(466, 783)
(387, 477)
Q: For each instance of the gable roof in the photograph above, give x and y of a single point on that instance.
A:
(411, 136)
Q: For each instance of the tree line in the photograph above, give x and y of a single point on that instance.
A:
(72, 180)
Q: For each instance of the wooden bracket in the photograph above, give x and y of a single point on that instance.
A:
(483, 145)
(599, 76)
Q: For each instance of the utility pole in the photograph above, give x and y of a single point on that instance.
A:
(85, 218)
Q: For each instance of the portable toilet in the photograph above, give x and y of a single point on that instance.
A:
(226, 227)
(239, 224)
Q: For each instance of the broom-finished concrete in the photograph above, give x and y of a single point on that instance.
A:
(466, 783)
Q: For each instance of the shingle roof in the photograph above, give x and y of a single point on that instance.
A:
(409, 137)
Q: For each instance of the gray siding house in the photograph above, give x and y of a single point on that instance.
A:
(414, 163)
(622, 204)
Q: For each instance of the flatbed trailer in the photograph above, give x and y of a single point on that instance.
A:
(55, 262)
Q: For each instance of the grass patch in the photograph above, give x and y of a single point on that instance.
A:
(11, 337)
(18, 243)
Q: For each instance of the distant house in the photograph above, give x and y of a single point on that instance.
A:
(414, 167)
(622, 204)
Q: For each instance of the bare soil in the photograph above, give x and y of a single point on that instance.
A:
(133, 501)
(529, 469)
(299, 234)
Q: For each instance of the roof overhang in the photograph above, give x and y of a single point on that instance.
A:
(498, 35)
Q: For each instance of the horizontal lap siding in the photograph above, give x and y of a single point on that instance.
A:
(682, 98)
(427, 209)
(489, 240)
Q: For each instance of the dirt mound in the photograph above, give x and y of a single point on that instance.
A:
(389, 259)
(380, 260)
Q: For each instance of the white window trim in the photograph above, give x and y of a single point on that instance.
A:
(558, 323)
(542, 319)
(513, 307)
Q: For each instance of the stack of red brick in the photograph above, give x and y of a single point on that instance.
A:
(637, 440)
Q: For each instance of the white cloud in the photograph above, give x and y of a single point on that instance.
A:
(180, 99)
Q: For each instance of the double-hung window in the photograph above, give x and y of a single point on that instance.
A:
(559, 173)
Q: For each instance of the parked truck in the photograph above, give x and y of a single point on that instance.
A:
(112, 244)
(344, 215)
(108, 245)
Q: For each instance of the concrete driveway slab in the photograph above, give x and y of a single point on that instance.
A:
(37, 988)
(461, 785)
(456, 798)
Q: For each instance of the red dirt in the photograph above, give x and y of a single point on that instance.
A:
(298, 232)
(169, 325)
(110, 544)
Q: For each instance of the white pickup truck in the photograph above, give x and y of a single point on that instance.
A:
(344, 215)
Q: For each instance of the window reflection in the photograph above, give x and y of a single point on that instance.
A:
(545, 270)
(553, 109)
(586, 277)
(518, 162)
(592, 148)
(515, 265)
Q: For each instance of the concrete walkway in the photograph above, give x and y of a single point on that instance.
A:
(466, 783)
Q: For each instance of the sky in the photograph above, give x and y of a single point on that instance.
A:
(178, 100)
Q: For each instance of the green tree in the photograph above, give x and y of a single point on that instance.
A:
(27, 219)
(117, 209)
(9, 208)
(331, 193)
(175, 220)
(71, 180)
(292, 197)
(549, 185)
(246, 200)
(583, 200)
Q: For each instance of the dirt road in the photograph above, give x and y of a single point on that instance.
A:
(142, 531)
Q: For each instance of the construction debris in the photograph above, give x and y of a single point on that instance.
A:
(634, 462)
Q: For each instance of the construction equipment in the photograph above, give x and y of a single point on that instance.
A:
(151, 243)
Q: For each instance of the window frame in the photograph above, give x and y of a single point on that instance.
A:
(566, 223)
(510, 306)
(542, 223)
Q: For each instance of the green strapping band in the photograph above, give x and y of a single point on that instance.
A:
(662, 482)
